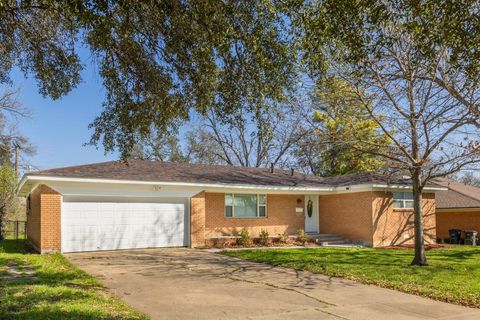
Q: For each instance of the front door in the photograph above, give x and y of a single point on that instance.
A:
(311, 213)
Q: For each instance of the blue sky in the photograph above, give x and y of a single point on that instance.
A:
(59, 128)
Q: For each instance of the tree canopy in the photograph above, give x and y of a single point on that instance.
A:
(416, 63)
(158, 59)
(356, 33)
(343, 139)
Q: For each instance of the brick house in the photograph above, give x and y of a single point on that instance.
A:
(113, 205)
(457, 208)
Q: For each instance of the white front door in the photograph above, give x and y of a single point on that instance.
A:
(311, 213)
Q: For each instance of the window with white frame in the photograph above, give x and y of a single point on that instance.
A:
(245, 205)
(403, 200)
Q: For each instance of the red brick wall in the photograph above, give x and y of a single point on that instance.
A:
(395, 226)
(456, 220)
(348, 215)
(371, 218)
(281, 217)
(43, 222)
(197, 220)
(33, 219)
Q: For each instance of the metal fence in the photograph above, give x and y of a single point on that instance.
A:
(15, 229)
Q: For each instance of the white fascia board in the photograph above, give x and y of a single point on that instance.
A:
(204, 186)
(454, 210)
(22, 182)
(382, 187)
(223, 187)
(406, 187)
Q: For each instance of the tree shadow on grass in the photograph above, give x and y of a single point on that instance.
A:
(467, 253)
(57, 311)
(47, 298)
(15, 246)
(372, 258)
(58, 290)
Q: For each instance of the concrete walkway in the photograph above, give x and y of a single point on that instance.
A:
(194, 284)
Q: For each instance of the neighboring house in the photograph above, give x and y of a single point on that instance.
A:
(457, 208)
(113, 205)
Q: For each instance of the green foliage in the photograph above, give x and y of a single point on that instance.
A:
(158, 60)
(452, 274)
(160, 146)
(301, 236)
(283, 237)
(359, 34)
(345, 139)
(244, 238)
(263, 237)
(59, 290)
(417, 63)
(8, 186)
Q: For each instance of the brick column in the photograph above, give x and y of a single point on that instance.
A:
(197, 220)
(50, 217)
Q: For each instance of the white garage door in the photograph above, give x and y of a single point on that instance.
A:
(110, 225)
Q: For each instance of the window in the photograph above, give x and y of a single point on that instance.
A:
(245, 205)
(403, 200)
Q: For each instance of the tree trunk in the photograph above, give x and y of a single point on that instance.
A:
(420, 258)
(2, 222)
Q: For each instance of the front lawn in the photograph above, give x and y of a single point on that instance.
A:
(453, 274)
(54, 289)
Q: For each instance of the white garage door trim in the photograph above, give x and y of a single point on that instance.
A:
(112, 223)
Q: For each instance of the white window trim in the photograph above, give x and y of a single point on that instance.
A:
(257, 216)
(403, 201)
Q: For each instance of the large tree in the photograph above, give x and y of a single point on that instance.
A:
(417, 65)
(468, 178)
(341, 130)
(13, 145)
(247, 139)
(160, 146)
(8, 188)
(158, 59)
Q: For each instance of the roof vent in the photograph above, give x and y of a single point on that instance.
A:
(292, 171)
(272, 167)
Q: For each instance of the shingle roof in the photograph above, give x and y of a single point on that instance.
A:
(142, 170)
(459, 195)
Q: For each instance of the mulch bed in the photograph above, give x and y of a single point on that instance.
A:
(232, 242)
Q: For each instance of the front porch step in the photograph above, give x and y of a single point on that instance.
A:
(328, 239)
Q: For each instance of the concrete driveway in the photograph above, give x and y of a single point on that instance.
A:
(194, 284)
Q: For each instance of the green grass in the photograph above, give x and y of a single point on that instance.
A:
(453, 274)
(59, 291)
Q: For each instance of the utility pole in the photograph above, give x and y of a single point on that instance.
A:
(17, 152)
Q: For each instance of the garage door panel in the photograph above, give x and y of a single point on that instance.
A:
(91, 226)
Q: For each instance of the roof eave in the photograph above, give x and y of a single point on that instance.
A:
(208, 186)
(408, 187)
(458, 209)
(23, 190)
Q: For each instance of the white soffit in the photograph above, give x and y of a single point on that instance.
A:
(107, 187)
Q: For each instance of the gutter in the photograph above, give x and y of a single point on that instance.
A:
(351, 188)
(460, 209)
(174, 184)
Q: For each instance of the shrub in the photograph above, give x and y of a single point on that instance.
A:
(244, 239)
(301, 236)
(283, 237)
(263, 238)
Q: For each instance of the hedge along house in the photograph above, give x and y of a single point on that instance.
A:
(457, 208)
(142, 204)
